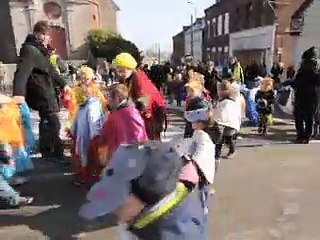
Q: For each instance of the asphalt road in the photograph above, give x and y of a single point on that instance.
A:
(268, 192)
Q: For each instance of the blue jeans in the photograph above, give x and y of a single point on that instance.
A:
(204, 198)
(7, 193)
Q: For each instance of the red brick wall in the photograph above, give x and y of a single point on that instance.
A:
(283, 39)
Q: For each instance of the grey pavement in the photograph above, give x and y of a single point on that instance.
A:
(268, 192)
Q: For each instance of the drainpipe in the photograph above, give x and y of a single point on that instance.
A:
(30, 9)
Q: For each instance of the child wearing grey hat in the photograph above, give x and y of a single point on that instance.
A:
(142, 187)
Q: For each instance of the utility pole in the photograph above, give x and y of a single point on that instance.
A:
(192, 18)
(159, 53)
(192, 36)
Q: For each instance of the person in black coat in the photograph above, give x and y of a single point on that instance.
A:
(34, 82)
(307, 94)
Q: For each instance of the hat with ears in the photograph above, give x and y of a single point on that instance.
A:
(150, 171)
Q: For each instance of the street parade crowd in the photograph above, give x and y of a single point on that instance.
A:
(158, 190)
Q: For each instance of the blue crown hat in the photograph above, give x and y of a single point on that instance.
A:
(198, 115)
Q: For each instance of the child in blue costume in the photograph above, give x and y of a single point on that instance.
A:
(9, 198)
(142, 186)
(22, 154)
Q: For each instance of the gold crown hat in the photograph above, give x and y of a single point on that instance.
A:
(196, 80)
(86, 72)
(125, 60)
(267, 84)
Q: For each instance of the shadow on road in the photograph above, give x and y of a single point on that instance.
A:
(55, 210)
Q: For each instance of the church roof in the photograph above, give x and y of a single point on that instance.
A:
(116, 7)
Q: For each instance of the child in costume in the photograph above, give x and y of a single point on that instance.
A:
(22, 153)
(195, 97)
(199, 166)
(74, 98)
(10, 136)
(86, 126)
(227, 117)
(265, 99)
(142, 187)
(124, 125)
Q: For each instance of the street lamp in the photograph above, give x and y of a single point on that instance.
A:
(191, 25)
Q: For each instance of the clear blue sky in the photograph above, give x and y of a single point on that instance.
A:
(147, 22)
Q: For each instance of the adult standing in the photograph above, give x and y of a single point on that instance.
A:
(34, 82)
(236, 70)
(277, 71)
(144, 93)
(307, 94)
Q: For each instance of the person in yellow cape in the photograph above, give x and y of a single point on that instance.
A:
(10, 136)
(10, 123)
(79, 94)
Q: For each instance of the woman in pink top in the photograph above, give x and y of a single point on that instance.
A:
(124, 125)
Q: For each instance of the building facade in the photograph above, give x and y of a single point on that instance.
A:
(70, 20)
(178, 49)
(251, 30)
(193, 40)
(305, 29)
(216, 33)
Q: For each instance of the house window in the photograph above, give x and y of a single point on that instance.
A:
(213, 49)
(219, 49)
(226, 49)
(226, 23)
(249, 10)
(214, 27)
(209, 29)
(239, 22)
(219, 25)
(94, 17)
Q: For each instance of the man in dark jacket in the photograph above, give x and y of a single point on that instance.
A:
(34, 82)
(307, 94)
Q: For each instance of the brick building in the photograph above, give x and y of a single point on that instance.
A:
(71, 20)
(216, 32)
(259, 30)
(305, 29)
(178, 48)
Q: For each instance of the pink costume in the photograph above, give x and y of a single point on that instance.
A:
(124, 126)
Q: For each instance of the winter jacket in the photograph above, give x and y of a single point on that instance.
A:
(237, 73)
(307, 92)
(228, 113)
(35, 78)
(123, 126)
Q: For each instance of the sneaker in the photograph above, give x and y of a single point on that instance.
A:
(18, 202)
(17, 181)
(24, 201)
(212, 192)
(230, 155)
(79, 183)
